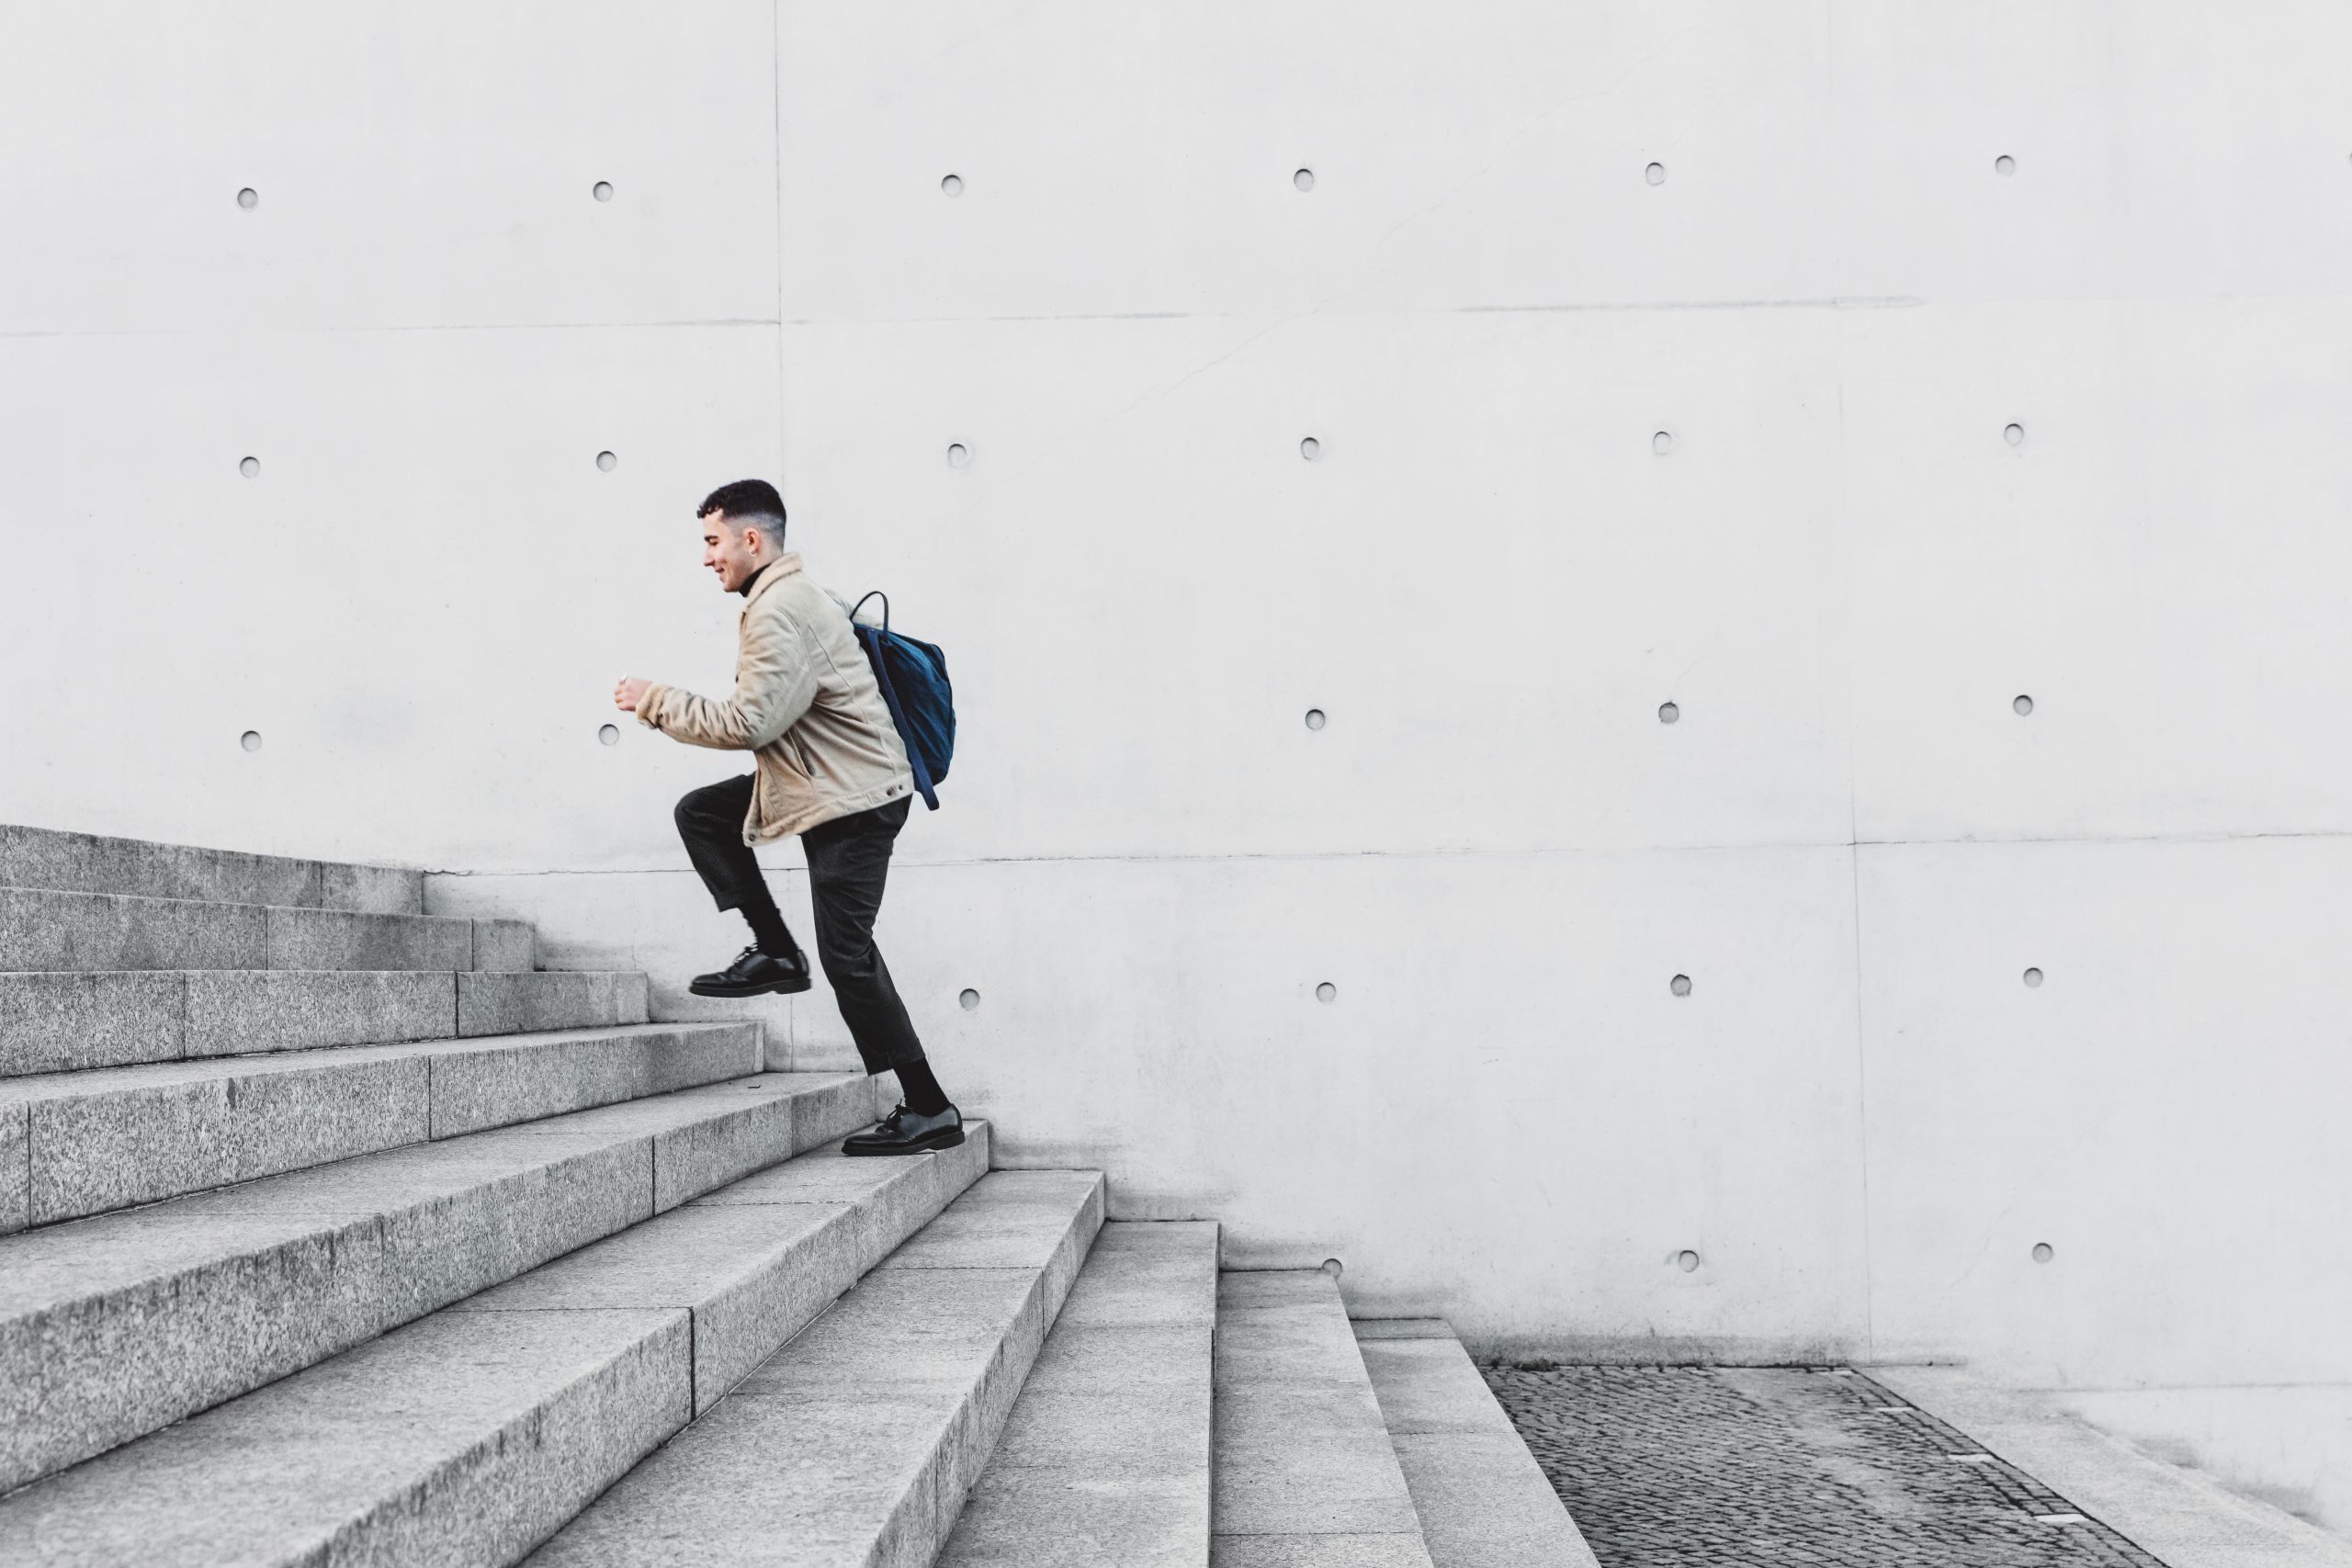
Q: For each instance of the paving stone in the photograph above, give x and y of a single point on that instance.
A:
(86, 863)
(1668, 1466)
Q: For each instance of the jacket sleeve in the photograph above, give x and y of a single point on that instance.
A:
(774, 686)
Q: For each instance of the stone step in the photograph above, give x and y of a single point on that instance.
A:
(470, 1436)
(48, 931)
(64, 1021)
(113, 1327)
(85, 862)
(106, 1139)
(1305, 1472)
(1107, 1456)
(1483, 1500)
(856, 1443)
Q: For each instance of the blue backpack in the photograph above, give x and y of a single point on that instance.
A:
(914, 678)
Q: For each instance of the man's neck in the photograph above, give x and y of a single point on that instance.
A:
(750, 582)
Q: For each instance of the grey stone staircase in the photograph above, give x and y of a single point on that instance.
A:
(337, 1233)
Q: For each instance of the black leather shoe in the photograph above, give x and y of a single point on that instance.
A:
(755, 974)
(904, 1133)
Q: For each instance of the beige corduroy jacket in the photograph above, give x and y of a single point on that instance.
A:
(805, 705)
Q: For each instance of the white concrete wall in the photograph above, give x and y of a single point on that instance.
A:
(1859, 1120)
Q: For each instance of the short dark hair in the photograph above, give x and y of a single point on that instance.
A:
(747, 500)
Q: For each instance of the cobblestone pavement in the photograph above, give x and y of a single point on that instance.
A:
(1758, 1467)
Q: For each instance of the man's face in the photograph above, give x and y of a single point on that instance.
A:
(728, 551)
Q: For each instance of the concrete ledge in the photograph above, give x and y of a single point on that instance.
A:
(2182, 1517)
(475, 1433)
(1483, 1500)
(857, 1441)
(112, 1137)
(1105, 1458)
(86, 863)
(1305, 1470)
(113, 1327)
(335, 938)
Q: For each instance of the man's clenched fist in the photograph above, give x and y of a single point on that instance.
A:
(629, 692)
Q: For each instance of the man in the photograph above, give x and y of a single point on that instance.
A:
(829, 765)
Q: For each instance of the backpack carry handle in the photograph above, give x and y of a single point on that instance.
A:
(878, 594)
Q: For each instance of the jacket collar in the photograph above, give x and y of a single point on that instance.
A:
(768, 576)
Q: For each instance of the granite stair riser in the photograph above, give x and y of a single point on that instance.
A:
(857, 1442)
(469, 1436)
(108, 1139)
(84, 862)
(53, 931)
(1305, 1471)
(1482, 1499)
(1120, 1397)
(67, 1022)
(118, 1324)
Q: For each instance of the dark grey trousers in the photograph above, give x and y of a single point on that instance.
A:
(849, 858)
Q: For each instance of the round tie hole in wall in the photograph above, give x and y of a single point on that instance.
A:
(958, 457)
(608, 734)
(1327, 992)
(951, 186)
(2032, 978)
(1654, 174)
(1679, 984)
(968, 999)
(1333, 1267)
(1687, 1260)
(2044, 1252)
(1310, 449)
(250, 741)
(249, 199)
(602, 190)
(1315, 719)
(1662, 443)
(1668, 712)
(2014, 435)
(2022, 705)
(606, 462)
(2005, 164)
(249, 467)
(1304, 179)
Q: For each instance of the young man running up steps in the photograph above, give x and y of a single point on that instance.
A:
(829, 765)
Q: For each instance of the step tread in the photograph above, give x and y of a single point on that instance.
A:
(472, 1433)
(1483, 1500)
(1105, 1458)
(54, 859)
(857, 1441)
(112, 1325)
(48, 930)
(74, 1019)
(111, 1137)
(1304, 1471)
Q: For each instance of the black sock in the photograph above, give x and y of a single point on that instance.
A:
(767, 925)
(920, 1090)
